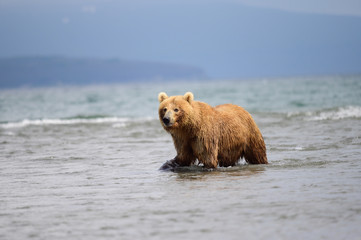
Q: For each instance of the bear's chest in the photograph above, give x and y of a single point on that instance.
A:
(200, 146)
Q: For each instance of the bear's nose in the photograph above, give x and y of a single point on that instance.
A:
(166, 121)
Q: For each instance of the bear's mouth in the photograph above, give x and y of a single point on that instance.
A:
(167, 122)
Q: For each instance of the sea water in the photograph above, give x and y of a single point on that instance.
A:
(82, 163)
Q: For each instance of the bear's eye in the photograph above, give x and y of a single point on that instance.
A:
(164, 109)
(176, 110)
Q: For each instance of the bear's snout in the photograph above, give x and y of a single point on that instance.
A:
(166, 121)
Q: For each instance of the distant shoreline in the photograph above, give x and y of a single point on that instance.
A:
(56, 70)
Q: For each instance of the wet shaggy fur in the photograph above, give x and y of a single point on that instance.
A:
(216, 136)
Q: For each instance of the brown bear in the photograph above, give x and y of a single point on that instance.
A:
(216, 136)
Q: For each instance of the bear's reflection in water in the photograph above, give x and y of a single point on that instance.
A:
(196, 172)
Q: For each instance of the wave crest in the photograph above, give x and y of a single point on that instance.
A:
(71, 121)
(338, 113)
(328, 114)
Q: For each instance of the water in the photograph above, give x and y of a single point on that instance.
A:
(81, 163)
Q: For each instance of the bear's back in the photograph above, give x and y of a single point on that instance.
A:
(235, 118)
(231, 110)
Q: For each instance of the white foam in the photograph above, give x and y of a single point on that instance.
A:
(339, 113)
(298, 148)
(40, 122)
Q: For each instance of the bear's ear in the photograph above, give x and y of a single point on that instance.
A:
(188, 97)
(162, 96)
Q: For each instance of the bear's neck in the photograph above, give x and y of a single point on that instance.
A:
(190, 128)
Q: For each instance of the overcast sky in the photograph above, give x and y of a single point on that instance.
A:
(333, 7)
(227, 38)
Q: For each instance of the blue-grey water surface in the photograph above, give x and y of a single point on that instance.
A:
(82, 163)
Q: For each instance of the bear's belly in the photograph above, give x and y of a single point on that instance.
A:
(221, 154)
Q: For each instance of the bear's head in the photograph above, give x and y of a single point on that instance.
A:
(174, 111)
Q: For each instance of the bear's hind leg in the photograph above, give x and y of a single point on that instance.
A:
(257, 153)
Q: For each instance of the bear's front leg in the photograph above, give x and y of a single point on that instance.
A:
(178, 161)
(169, 165)
(207, 153)
(208, 159)
(210, 162)
(184, 158)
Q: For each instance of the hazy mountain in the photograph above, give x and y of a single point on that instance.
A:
(47, 71)
(226, 38)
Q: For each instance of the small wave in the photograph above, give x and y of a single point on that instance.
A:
(328, 114)
(337, 114)
(80, 120)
